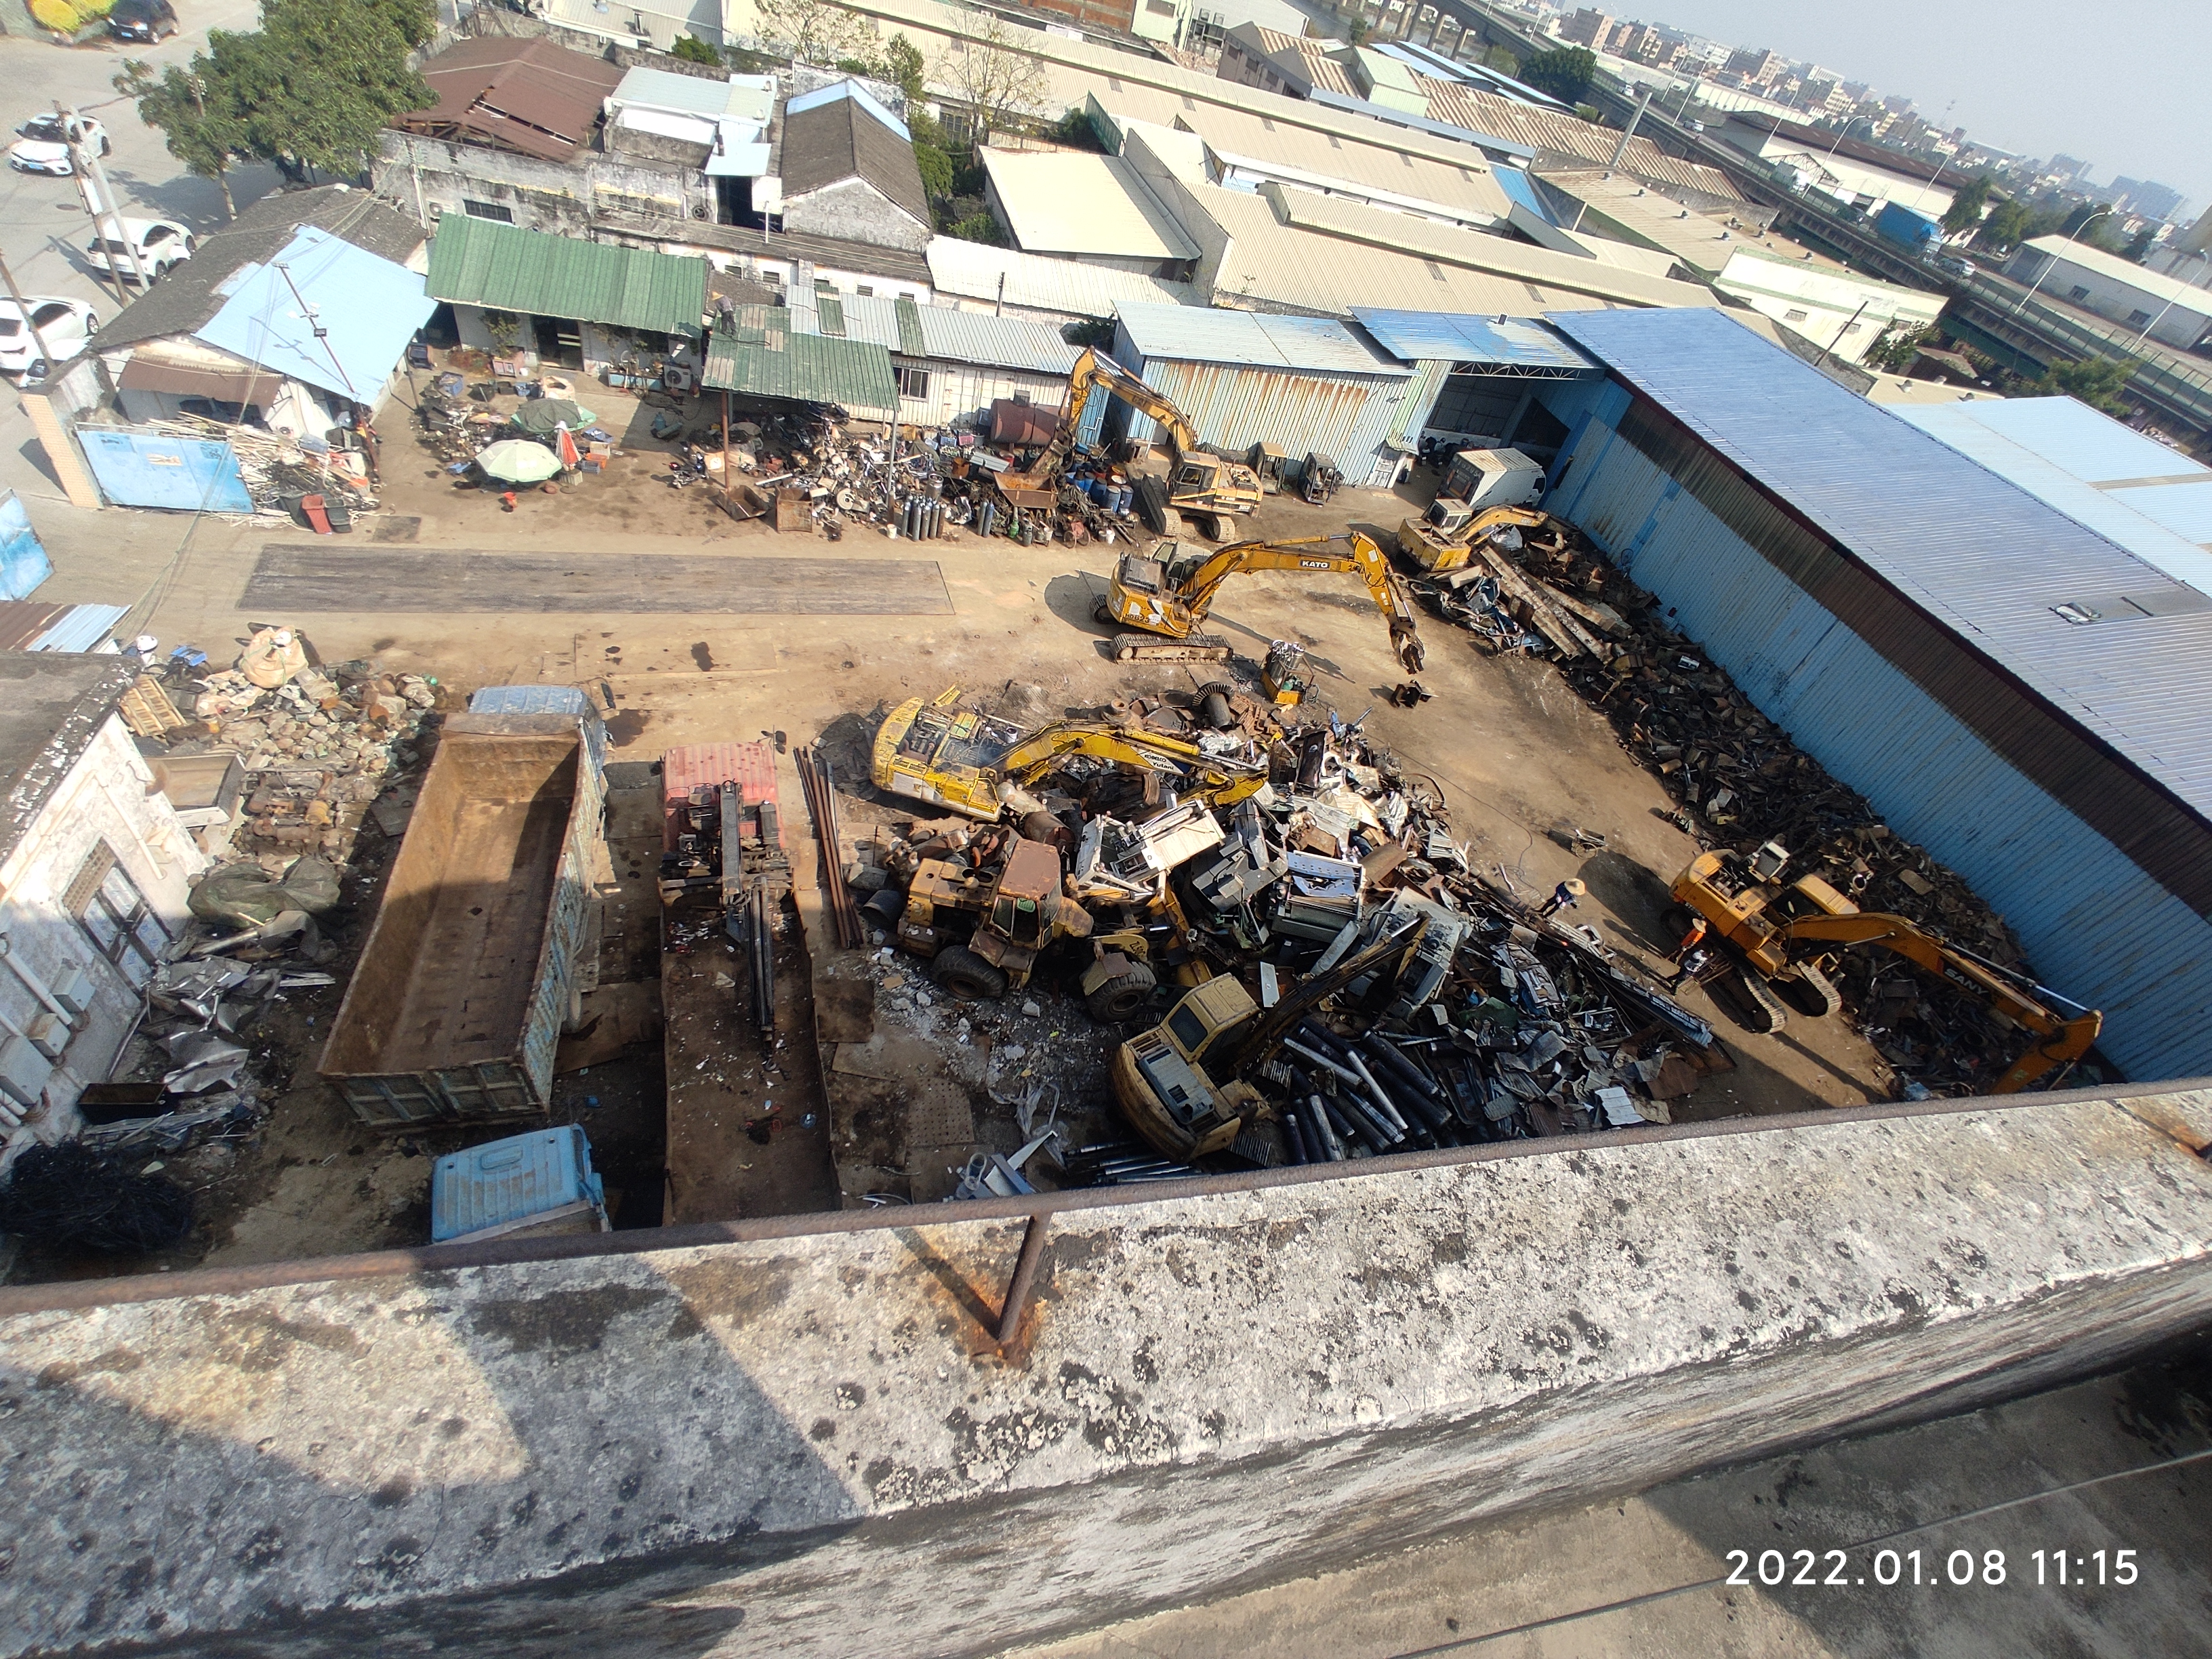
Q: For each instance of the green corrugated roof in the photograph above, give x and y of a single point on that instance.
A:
(479, 262)
(911, 344)
(832, 314)
(763, 357)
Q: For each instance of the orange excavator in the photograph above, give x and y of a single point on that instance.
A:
(1787, 937)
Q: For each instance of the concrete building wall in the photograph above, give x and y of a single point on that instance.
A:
(2097, 927)
(104, 810)
(856, 211)
(1832, 308)
(427, 177)
(703, 1445)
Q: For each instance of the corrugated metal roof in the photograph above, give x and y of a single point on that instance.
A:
(750, 95)
(1073, 201)
(974, 270)
(960, 337)
(1980, 555)
(526, 95)
(1316, 343)
(2066, 453)
(763, 358)
(861, 100)
(360, 311)
(1522, 342)
(479, 262)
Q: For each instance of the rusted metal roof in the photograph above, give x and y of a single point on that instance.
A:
(530, 96)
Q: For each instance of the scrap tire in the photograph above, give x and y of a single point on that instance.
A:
(967, 976)
(1122, 998)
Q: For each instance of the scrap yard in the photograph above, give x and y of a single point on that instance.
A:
(1135, 858)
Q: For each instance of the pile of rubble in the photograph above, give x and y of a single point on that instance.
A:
(318, 745)
(1741, 782)
(1481, 1019)
(279, 471)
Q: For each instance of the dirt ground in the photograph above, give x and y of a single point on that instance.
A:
(1519, 759)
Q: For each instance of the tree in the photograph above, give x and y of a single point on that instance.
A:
(936, 170)
(1967, 203)
(2139, 244)
(692, 50)
(315, 84)
(201, 124)
(979, 228)
(1896, 349)
(1503, 62)
(2097, 381)
(814, 31)
(1565, 72)
(988, 72)
(1074, 130)
(901, 65)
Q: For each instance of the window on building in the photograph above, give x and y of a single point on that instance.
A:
(1851, 328)
(2078, 293)
(488, 210)
(1435, 270)
(864, 290)
(912, 382)
(1333, 144)
(1188, 102)
(1267, 122)
(115, 916)
(2138, 318)
(1793, 316)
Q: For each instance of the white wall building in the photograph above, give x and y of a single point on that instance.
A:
(1835, 309)
(94, 871)
(2171, 312)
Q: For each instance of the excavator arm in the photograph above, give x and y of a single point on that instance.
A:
(2063, 1040)
(1217, 780)
(1313, 553)
(1092, 370)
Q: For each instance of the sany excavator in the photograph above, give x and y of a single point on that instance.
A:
(1169, 594)
(972, 764)
(1788, 937)
(1202, 488)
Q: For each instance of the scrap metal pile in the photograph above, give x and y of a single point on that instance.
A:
(1741, 783)
(279, 471)
(318, 745)
(1337, 979)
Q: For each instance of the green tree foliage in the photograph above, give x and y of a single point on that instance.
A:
(2139, 244)
(979, 228)
(310, 89)
(2010, 223)
(1074, 130)
(2091, 223)
(1967, 203)
(202, 124)
(1503, 62)
(1565, 72)
(2098, 381)
(692, 50)
(1895, 350)
(901, 65)
(936, 170)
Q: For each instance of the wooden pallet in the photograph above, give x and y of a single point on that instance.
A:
(147, 710)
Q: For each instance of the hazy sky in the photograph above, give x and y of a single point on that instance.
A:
(2120, 83)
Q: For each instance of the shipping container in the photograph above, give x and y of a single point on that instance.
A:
(477, 953)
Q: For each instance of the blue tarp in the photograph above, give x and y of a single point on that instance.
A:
(367, 307)
(24, 561)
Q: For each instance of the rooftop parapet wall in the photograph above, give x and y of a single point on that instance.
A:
(808, 1444)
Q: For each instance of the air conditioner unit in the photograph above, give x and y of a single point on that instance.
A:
(74, 991)
(23, 1071)
(48, 1035)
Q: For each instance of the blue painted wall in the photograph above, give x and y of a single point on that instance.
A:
(2095, 925)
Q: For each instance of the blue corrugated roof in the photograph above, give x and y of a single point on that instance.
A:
(1192, 334)
(1976, 552)
(1523, 193)
(2067, 454)
(1422, 336)
(361, 311)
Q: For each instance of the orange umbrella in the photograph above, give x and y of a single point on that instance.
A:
(565, 447)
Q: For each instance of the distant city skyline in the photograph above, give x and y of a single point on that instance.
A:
(2040, 77)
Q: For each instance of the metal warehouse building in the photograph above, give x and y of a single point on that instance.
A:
(1475, 377)
(2019, 694)
(1302, 384)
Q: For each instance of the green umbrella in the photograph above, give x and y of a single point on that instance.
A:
(517, 460)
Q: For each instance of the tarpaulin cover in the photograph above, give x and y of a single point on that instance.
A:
(541, 415)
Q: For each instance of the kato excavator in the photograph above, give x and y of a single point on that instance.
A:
(972, 764)
(1168, 593)
(1789, 937)
(1444, 537)
(1202, 487)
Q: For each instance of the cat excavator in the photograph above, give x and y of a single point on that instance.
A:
(971, 764)
(1168, 592)
(1786, 937)
(1203, 488)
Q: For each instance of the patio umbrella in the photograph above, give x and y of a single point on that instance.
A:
(517, 460)
(565, 447)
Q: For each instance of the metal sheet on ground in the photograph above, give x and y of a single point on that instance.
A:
(290, 579)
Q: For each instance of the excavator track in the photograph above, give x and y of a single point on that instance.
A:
(1151, 648)
(1745, 996)
(1810, 992)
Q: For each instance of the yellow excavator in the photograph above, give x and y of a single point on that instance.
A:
(1203, 488)
(971, 764)
(1767, 923)
(1168, 592)
(1444, 537)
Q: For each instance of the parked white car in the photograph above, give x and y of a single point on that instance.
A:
(42, 146)
(161, 244)
(62, 325)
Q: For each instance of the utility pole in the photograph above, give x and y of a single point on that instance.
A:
(82, 154)
(23, 307)
(1629, 131)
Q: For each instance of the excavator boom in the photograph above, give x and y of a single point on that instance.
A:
(1164, 598)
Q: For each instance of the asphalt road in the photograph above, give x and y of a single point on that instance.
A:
(44, 226)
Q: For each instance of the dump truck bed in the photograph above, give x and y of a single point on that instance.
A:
(458, 1001)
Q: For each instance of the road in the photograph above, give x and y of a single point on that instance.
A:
(44, 226)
